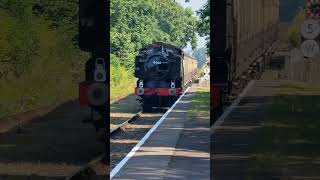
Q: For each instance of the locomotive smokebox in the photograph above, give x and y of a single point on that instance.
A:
(157, 62)
(157, 66)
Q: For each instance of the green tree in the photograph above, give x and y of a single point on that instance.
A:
(20, 42)
(61, 13)
(136, 23)
(18, 8)
(294, 35)
(38, 55)
(203, 26)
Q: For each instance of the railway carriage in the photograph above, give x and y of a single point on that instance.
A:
(163, 71)
(244, 32)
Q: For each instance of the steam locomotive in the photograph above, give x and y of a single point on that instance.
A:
(163, 71)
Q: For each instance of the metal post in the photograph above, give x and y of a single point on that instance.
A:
(19, 130)
(91, 114)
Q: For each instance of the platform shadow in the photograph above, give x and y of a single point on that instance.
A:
(58, 138)
(264, 138)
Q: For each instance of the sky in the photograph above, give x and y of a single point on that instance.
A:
(195, 5)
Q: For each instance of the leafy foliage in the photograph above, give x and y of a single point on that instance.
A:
(61, 13)
(37, 55)
(18, 8)
(38, 43)
(19, 42)
(136, 23)
(204, 23)
(294, 35)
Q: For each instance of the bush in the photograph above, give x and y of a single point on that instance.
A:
(39, 64)
(122, 80)
(294, 36)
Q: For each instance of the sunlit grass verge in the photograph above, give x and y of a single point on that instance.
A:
(200, 105)
(288, 143)
(122, 82)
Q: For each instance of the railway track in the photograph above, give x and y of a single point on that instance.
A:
(89, 171)
(122, 125)
(96, 169)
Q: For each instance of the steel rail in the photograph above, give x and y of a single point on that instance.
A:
(119, 127)
(86, 169)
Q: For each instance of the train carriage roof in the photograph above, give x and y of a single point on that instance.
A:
(158, 44)
(169, 46)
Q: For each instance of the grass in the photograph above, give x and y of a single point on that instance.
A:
(122, 82)
(289, 141)
(122, 89)
(200, 106)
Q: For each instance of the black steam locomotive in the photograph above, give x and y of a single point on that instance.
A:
(163, 71)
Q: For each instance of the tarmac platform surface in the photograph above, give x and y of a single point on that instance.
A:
(178, 149)
(233, 141)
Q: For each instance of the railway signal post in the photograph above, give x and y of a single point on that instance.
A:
(93, 38)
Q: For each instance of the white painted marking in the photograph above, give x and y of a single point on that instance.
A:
(230, 108)
(142, 141)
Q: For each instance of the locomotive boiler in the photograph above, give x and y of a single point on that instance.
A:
(163, 72)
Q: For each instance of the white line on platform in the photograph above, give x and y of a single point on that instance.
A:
(142, 141)
(230, 108)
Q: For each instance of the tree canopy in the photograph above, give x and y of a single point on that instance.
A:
(203, 25)
(38, 53)
(136, 23)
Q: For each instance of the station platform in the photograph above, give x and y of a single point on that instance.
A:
(234, 136)
(178, 149)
